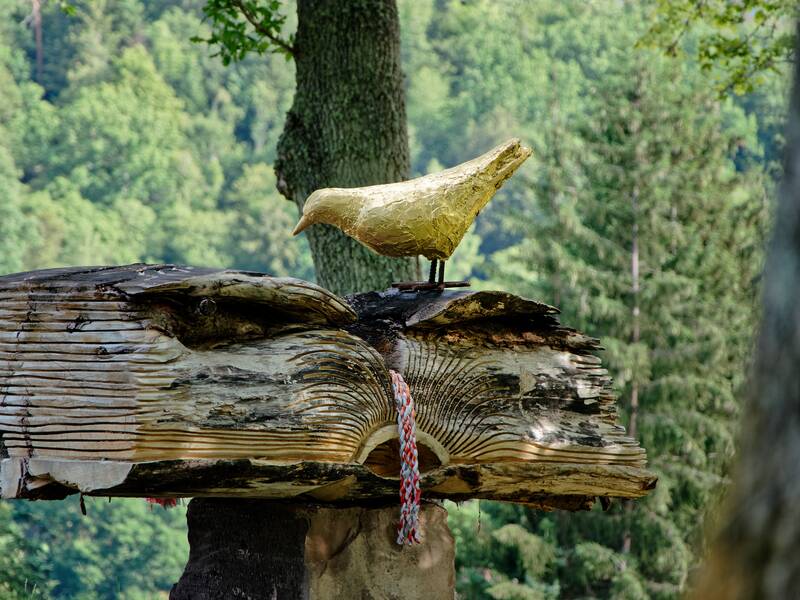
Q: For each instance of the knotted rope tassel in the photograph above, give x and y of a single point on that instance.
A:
(165, 502)
(408, 527)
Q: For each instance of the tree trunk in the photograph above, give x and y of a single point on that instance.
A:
(346, 128)
(324, 553)
(633, 421)
(36, 17)
(756, 554)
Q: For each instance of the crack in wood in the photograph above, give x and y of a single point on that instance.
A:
(290, 384)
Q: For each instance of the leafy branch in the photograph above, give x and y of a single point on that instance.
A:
(738, 41)
(239, 27)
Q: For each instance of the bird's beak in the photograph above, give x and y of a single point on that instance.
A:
(302, 224)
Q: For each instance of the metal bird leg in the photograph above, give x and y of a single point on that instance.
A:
(395, 219)
(433, 282)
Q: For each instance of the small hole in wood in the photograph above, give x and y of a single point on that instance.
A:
(384, 460)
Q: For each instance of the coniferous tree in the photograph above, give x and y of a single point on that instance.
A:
(199, 188)
(656, 257)
(22, 562)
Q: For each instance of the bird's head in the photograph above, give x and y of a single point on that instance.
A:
(334, 206)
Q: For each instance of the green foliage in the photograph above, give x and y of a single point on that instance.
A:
(137, 144)
(120, 549)
(512, 590)
(594, 566)
(591, 562)
(261, 226)
(535, 554)
(66, 228)
(609, 123)
(24, 573)
(14, 224)
(740, 42)
(140, 145)
(244, 26)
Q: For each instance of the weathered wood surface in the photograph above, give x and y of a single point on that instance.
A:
(178, 381)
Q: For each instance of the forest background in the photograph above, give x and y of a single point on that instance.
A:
(122, 141)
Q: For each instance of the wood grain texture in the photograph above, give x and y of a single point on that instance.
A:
(161, 380)
(287, 550)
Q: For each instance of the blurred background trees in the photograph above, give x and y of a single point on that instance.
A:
(641, 215)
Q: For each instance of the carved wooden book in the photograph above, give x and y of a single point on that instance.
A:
(178, 381)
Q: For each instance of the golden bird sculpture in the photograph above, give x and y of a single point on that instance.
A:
(425, 216)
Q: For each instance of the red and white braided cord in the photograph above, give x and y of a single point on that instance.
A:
(165, 502)
(410, 494)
